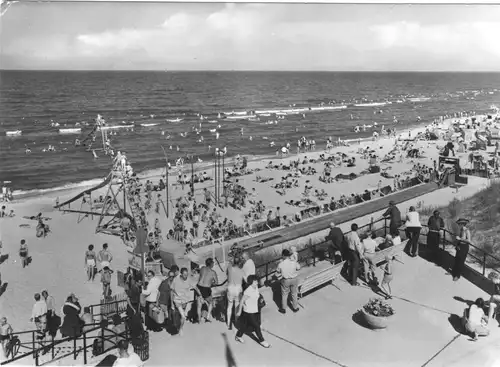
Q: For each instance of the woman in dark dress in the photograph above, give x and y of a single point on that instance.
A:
(463, 242)
(72, 324)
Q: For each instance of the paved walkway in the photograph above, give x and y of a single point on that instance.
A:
(324, 333)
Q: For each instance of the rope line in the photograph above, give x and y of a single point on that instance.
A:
(441, 350)
(305, 349)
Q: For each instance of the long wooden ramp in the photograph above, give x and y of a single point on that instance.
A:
(339, 216)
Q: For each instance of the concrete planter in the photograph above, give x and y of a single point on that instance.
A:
(376, 322)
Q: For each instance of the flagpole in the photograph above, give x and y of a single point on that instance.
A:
(166, 179)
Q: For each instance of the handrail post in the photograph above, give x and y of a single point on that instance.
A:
(267, 271)
(33, 344)
(53, 354)
(484, 262)
(74, 346)
(84, 348)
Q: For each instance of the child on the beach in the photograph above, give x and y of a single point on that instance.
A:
(388, 277)
(23, 253)
(106, 281)
(5, 332)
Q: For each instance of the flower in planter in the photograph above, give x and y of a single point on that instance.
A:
(378, 307)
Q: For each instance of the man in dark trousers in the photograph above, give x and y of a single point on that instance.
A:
(336, 236)
(435, 224)
(394, 215)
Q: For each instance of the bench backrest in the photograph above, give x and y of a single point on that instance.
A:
(331, 272)
(390, 251)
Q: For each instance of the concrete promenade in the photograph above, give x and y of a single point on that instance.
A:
(428, 306)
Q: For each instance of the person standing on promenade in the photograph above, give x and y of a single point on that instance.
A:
(151, 293)
(23, 253)
(249, 313)
(235, 278)
(463, 242)
(395, 217)
(288, 269)
(355, 252)
(413, 228)
(435, 224)
(337, 237)
(248, 268)
(208, 279)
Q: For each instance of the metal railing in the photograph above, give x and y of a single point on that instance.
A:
(309, 254)
(75, 349)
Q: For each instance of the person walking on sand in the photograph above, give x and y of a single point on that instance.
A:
(462, 246)
(249, 313)
(39, 315)
(413, 228)
(23, 253)
(5, 333)
(288, 270)
(105, 256)
(106, 281)
(90, 263)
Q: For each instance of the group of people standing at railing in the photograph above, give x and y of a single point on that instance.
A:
(360, 250)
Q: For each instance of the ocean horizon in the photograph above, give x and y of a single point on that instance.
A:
(34, 101)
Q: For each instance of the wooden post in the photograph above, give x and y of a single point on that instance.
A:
(166, 187)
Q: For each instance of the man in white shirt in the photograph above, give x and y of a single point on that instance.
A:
(151, 293)
(413, 227)
(369, 248)
(39, 314)
(288, 269)
(248, 268)
(126, 357)
(477, 322)
(356, 252)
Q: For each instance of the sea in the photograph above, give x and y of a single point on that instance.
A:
(159, 106)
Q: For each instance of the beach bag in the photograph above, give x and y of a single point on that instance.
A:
(261, 302)
(157, 314)
(97, 347)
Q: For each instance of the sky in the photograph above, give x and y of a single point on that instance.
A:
(224, 36)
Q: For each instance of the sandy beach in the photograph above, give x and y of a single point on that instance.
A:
(58, 259)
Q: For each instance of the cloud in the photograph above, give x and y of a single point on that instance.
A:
(268, 36)
(441, 39)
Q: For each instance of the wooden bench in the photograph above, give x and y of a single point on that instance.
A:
(319, 278)
(396, 251)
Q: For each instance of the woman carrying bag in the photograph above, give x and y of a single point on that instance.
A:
(250, 319)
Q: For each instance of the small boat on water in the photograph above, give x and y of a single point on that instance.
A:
(178, 119)
(14, 133)
(75, 130)
(149, 125)
(115, 127)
